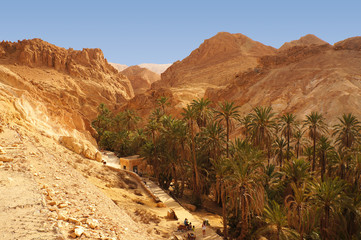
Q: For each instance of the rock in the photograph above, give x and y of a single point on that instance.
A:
(171, 215)
(98, 156)
(161, 205)
(62, 205)
(71, 143)
(137, 192)
(74, 220)
(93, 223)
(61, 216)
(5, 159)
(2, 151)
(53, 208)
(190, 207)
(78, 231)
(52, 203)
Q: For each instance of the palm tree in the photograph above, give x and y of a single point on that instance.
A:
(213, 138)
(324, 148)
(297, 204)
(347, 132)
(279, 145)
(189, 115)
(262, 127)
(163, 102)
(203, 111)
(288, 124)
(329, 197)
(227, 112)
(245, 123)
(246, 177)
(276, 223)
(298, 140)
(222, 169)
(130, 119)
(316, 125)
(297, 171)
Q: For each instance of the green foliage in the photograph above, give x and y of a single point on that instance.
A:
(271, 182)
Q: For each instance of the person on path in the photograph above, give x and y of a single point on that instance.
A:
(204, 228)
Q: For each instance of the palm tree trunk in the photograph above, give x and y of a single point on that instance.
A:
(227, 122)
(288, 145)
(314, 151)
(224, 211)
(195, 168)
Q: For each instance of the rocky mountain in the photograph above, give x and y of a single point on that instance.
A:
(140, 78)
(57, 90)
(216, 61)
(214, 64)
(307, 40)
(302, 76)
(301, 79)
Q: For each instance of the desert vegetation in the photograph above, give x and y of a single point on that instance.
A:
(279, 176)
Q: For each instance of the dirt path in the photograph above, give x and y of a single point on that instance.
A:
(181, 212)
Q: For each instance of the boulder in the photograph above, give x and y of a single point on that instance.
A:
(98, 156)
(71, 143)
(190, 207)
(171, 214)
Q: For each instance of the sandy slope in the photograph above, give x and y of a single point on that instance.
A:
(41, 186)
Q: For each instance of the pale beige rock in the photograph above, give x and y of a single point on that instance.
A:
(98, 157)
(74, 221)
(190, 207)
(6, 159)
(93, 223)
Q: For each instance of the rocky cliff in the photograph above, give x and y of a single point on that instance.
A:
(58, 90)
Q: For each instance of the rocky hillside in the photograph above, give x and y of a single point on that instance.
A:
(302, 76)
(58, 90)
(140, 78)
(214, 64)
(302, 79)
(217, 60)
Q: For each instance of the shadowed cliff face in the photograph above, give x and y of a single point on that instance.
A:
(59, 89)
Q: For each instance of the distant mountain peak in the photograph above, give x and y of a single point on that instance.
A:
(306, 40)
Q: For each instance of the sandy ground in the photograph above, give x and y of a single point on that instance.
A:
(45, 194)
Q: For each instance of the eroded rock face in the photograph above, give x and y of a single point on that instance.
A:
(59, 89)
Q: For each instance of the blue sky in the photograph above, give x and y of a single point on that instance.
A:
(134, 32)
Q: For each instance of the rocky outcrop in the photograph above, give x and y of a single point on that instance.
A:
(59, 89)
(80, 147)
(140, 78)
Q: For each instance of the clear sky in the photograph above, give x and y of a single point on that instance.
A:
(133, 32)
